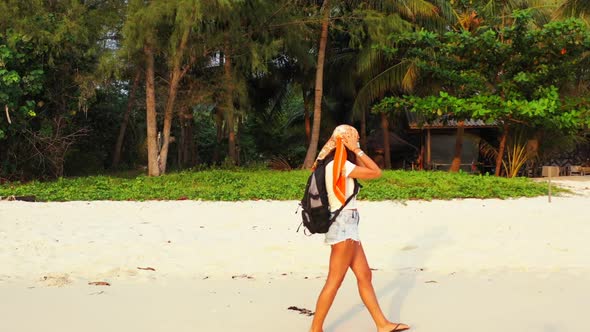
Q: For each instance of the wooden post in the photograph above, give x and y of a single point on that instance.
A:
(550, 185)
(428, 146)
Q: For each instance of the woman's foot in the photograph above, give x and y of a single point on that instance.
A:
(393, 327)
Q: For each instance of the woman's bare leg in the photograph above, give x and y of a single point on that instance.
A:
(340, 260)
(363, 274)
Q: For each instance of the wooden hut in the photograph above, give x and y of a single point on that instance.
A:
(437, 142)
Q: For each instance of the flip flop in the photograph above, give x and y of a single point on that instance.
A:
(395, 329)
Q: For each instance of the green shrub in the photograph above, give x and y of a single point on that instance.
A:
(257, 184)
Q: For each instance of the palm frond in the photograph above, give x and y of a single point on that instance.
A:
(489, 9)
(575, 8)
(543, 11)
(411, 77)
(400, 77)
(446, 11)
(487, 150)
(369, 63)
(412, 9)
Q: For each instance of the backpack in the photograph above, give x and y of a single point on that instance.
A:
(315, 214)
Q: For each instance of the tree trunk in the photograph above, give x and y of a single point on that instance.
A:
(306, 106)
(239, 139)
(386, 144)
(184, 138)
(219, 136)
(192, 145)
(123, 128)
(319, 85)
(456, 164)
(501, 150)
(187, 155)
(175, 77)
(229, 105)
(151, 121)
(168, 116)
(231, 138)
(428, 149)
(363, 133)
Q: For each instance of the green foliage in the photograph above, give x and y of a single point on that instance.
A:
(50, 50)
(511, 76)
(65, 66)
(275, 131)
(546, 111)
(245, 184)
(21, 82)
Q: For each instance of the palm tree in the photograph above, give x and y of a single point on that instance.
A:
(398, 13)
(379, 75)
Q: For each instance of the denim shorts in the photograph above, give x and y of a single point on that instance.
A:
(346, 226)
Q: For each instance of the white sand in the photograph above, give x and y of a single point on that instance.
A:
(461, 265)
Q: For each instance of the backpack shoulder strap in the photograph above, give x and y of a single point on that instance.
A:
(357, 187)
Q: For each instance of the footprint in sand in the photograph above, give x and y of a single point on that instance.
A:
(56, 279)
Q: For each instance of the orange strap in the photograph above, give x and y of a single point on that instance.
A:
(338, 176)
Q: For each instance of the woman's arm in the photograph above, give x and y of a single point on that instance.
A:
(359, 162)
(370, 170)
(366, 168)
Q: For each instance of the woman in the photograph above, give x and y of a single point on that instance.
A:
(349, 163)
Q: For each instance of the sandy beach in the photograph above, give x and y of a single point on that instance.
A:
(461, 265)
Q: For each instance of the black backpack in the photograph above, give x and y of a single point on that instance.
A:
(315, 206)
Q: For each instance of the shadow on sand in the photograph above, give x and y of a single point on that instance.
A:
(397, 290)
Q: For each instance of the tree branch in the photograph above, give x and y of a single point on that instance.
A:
(7, 114)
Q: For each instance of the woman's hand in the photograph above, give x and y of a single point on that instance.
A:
(352, 143)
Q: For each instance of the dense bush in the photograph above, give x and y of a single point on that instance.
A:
(241, 184)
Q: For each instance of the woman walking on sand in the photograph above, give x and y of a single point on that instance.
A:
(349, 163)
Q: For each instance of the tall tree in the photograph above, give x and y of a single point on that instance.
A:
(186, 14)
(252, 36)
(229, 102)
(163, 28)
(151, 119)
(69, 38)
(379, 73)
(319, 85)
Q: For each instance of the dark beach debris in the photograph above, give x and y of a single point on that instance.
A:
(207, 277)
(97, 293)
(242, 276)
(302, 311)
(19, 198)
(372, 269)
(431, 282)
(146, 268)
(99, 283)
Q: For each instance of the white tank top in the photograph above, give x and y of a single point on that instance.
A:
(332, 199)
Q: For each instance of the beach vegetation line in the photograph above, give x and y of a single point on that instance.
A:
(246, 184)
